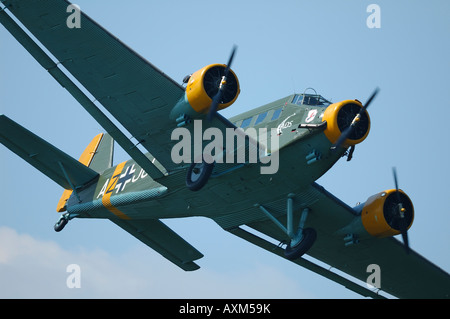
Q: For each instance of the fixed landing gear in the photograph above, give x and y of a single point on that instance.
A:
(295, 249)
(198, 175)
(301, 240)
(61, 223)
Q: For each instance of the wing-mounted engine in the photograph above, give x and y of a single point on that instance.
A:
(204, 84)
(208, 90)
(385, 214)
(202, 87)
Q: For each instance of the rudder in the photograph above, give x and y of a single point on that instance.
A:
(98, 156)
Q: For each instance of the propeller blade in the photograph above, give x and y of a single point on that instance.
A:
(230, 60)
(404, 234)
(214, 105)
(401, 213)
(394, 172)
(375, 92)
(218, 97)
(349, 129)
(343, 137)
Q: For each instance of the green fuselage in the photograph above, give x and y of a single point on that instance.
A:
(127, 191)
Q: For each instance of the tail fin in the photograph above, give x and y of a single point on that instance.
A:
(98, 156)
(103, 157)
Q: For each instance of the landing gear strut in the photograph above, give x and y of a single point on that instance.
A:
(301, 240)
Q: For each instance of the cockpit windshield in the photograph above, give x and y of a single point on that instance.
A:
(310, 99)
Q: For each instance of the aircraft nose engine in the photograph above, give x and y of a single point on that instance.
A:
(340, 116)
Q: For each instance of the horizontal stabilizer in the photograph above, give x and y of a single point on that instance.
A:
(163, 240)
(57, 165)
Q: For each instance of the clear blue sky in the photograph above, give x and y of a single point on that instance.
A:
(284, 47)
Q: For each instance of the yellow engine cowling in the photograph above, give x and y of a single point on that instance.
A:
(380, 214)
(339, 116)
(201, 88)
(204, 84)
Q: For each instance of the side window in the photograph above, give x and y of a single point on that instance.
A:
(260, 118)
(246, 122)
(276, 114)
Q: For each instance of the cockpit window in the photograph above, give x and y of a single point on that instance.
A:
(298, 99)
(310, 99)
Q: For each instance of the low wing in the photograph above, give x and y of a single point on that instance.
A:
(402, 275)
(162, 239)
(135, 92)
(57, 165)
(276, 249)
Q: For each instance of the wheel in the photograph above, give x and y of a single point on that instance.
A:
(309, 237)
(60, 224)
(198, 174)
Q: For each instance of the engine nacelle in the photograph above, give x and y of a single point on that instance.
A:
(201, 88)
(380, 215)
(339, 116)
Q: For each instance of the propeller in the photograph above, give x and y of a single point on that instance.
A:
(218, 97)
(401, 214)
(348, 131)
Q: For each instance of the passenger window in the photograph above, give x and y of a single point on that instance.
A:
(276, 114)
(260, 118)
(246, 122)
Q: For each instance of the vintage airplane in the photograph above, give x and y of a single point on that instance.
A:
(310, 135)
